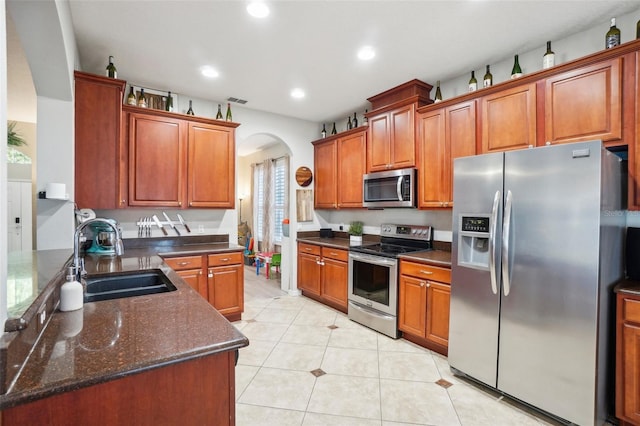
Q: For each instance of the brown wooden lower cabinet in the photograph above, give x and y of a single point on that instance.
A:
(323, 274)
(195, 392)
(219, 278)
(628, 359)
(423, 305)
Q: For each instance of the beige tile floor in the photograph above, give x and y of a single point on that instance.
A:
(365, 378)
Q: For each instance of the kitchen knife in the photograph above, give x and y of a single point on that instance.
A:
(157, 221)
(166, 216)
(183, 223)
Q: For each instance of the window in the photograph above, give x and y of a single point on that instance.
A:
(274, 203)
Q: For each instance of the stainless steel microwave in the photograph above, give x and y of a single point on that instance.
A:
(393, 188)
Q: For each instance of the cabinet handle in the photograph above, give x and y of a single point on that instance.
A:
(333, 253)
(421, 284)
(180, 203)
(426, 272)
(308, 249)
(210, 274)
(226, 259)
(123, 202)
(183, 263)
(428, 284)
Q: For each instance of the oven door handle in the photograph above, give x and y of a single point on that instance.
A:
(370, 311)
(375, 260)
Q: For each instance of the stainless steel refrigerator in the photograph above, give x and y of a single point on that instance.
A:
(537, 244)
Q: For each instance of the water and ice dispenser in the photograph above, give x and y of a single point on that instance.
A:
(473, 241)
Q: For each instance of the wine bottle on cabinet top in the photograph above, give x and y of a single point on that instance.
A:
(354, 123)
(333, 131)
(169, 105)
(349, 125)
(228, 117)
(323, 133)
(142, 99)
(190, 110)
(488, 78)
(549, 58)
(612, 38)
(111, 69)
(365, 120)
(638, 30)
(219, 113)
(473, 83)
(516, 71)
(131, 99)
(438, 93)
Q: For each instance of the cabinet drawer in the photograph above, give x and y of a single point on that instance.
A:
(222, 259)
(309, 249)
(336, 254)
(425, 272)
(631, 310)
(183, 263)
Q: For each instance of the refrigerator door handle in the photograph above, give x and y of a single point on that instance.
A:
(492, 243)
(506, 227)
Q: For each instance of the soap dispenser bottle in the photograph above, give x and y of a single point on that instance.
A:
(71, 293)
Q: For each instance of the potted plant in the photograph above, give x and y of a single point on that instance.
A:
(13, 138)
(355, 233)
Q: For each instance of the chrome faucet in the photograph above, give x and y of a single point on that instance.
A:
(78, 265)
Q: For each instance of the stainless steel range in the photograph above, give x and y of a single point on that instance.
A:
(373, 275)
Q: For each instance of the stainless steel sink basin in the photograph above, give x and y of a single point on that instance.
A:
(127, 284)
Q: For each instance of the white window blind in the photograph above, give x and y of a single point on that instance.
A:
(279, 198)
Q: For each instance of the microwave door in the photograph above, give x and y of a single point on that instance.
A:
(384, 189)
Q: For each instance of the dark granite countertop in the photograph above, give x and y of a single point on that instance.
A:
(111, 339)
(433, 257)
(628, 287)
(339, 243)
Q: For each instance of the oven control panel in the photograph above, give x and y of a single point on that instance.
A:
(416, 232)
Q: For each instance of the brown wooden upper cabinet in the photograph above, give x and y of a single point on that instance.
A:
(98, 110)
(180, 163)
(584, 104)
(339, 164)
(391, 142)
(443, 135)
(509, 119)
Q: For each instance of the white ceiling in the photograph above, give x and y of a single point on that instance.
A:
(313, 44)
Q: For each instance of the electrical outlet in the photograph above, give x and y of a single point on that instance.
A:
(201, 229)
(42, 316)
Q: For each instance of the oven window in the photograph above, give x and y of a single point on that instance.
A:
(371, 282)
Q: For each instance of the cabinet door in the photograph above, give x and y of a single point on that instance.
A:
(351, 167)
(509, 119)
(335, 281)
(325, 163)
(584, 104)
(432, 185)
(631, 369)
(98, 105)
(225, 289)
(460, 135)
(157, 161)
(195, 279)
(309, 273)
(438, 296)
(211, 170)
(403, 137)
(412, 305)
(379, 142)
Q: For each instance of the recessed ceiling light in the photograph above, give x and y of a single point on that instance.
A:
(209, 72)
(258, 9)
(297, 93)
(366, 52)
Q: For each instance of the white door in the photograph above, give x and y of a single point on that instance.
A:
(19, 216)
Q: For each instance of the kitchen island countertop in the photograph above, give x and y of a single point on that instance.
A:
(115, 338)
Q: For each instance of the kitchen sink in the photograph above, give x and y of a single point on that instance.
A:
(128, 284)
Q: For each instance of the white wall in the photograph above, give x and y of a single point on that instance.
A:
(3, 165)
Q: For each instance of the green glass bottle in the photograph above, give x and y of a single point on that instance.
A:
(131, 99)
(473, 83)
(112, 72)
(219, 113)
(349, 125)
(354, 122)
(142, 99)
(549, 58)
(228, 118)
(334, 131)
(516, 71)
(169, 105)
(487, 80)
(612, 38)
(438, 93)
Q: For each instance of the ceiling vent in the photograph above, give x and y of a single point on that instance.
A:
(236, 100)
